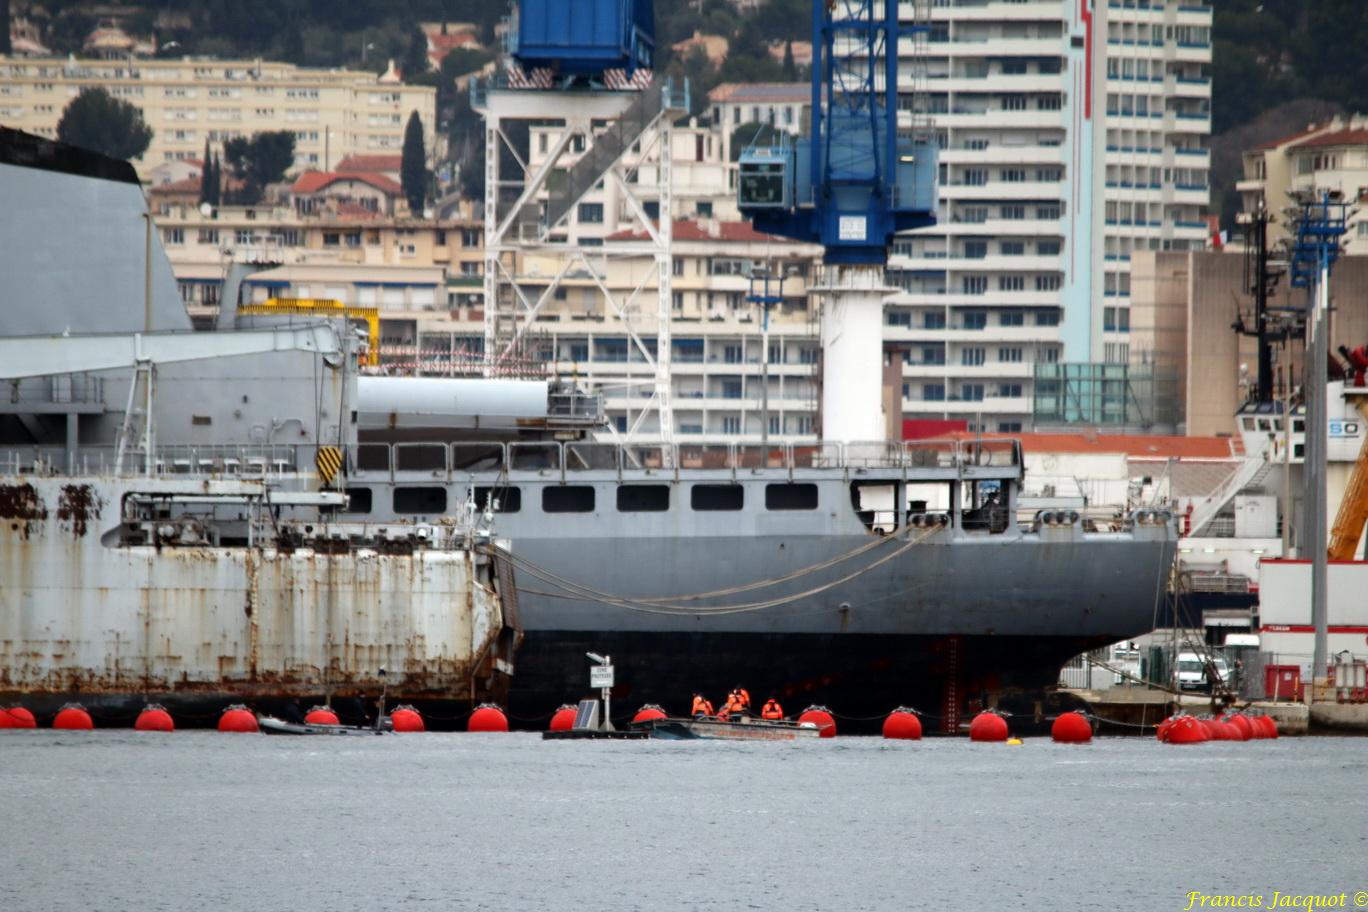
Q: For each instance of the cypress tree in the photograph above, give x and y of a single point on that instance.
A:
(413, 166)
(206, 177)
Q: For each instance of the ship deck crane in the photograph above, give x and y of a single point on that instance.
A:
(852, 183)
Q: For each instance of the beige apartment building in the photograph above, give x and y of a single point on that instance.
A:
(333, 113)
(1183, 304)
(1327, 157)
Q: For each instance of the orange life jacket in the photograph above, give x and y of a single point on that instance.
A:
(745, 697)
(772, 710)
(700, 705)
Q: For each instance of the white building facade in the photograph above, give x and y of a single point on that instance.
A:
(1071, 135)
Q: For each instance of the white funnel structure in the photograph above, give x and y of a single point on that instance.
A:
(852, 353)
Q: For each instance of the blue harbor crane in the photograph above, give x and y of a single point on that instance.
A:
(850, 184)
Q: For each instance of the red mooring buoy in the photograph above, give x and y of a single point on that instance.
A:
(564, 718)
(154, 718)
(988, 726)
(238, 719)
(1071, 728)
(19, 717)
(1161, 733)
(73, 717)
(1186, 730)
(649, 713)
(1270, 726)
(6, 720)
(407, 719)
(902, 724)
(821, 717)
(321, 715)
(1241, 723)
(487, 718)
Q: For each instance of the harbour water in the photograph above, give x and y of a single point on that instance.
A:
(127, 822)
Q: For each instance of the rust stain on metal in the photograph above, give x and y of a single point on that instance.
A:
(21, 505)
(77, 505)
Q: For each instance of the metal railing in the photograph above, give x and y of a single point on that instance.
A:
(441, 460)
(246, 461)
(551, 457)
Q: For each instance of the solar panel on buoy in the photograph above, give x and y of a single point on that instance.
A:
(587, 716)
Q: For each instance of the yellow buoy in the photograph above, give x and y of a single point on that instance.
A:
(1013, 740)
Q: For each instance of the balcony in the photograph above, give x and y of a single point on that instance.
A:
(1003, 190)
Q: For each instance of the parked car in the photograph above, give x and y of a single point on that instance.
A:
(1194, 674)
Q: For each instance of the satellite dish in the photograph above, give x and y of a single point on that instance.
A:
(428, 212)
(206, 210)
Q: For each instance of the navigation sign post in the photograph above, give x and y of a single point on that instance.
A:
(601, 676)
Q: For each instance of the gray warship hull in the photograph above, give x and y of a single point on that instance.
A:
(862, 576)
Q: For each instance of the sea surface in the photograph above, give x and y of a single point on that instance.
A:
(130, 822)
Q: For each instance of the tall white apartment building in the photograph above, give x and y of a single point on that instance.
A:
(1072, 133)
(333, 113)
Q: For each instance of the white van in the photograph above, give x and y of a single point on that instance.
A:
(1192, 671)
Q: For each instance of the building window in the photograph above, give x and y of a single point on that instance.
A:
(173, 235)
(717, 497)
(1047, 248)
(1009, 427)
(731, 424)
(568, 499)
(933, 392)
(974, 285)
(972, 357)
(1009, 390)
(1047, 283)
(643, 498)
(1014, 175)
(1013, 248)
(971, 392)
(1009, 355)
(590, 213)
(431, 501)
(790, 497)
(501, 499)
(933, 319)
(975, 250)
(1047, 318)
(975, 319)
(1011, 283)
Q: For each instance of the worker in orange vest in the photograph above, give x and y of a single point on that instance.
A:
(735, 706)
(701, 706)
(772, 710)
(744, 696)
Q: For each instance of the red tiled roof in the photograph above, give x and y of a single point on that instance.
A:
(691, 230)
(1134, 446)
(1357, 136)
(354, 163)
(188, 185)
(314, 181)
(762, 92)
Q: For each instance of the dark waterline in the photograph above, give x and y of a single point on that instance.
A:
(125, 822)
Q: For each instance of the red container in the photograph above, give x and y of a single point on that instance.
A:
(1282, 682)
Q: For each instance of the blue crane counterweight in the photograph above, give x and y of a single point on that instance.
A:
(854, 181)
(585, 37)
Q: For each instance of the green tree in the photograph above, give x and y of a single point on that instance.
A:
(98, 121)
(414, 62)
(206, 177)
(4, 27)
(217, 184)
(263, 159)
(790, 68)
(413, 165)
